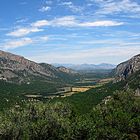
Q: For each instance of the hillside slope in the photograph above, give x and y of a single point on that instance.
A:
(129, 73)
(17, 69)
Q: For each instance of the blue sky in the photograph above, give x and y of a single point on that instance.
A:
(71, 31)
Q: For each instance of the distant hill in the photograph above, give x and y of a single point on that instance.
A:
(66, 70)
(87, 67)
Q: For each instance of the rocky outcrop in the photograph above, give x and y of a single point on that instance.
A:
(126, 69)
(66, 70)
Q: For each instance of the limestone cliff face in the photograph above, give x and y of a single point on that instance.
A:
(125, 69)
(19, 69)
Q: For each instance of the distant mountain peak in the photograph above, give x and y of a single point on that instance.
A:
(86, 66)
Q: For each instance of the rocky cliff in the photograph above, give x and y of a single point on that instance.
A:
(126, 69)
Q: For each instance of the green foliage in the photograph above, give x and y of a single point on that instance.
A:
(84, 102)
(133, 81)
(11, 93)
(113, 119)
(36, 121)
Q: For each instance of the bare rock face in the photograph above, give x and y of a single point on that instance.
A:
(125, 69)
(19, 69)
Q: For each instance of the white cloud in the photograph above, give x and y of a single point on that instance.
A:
(45, 9)
(40, 23)
(23, 31)
(72, 7)
(101, 23)
(129, 7)
(66, 21)
(63, 21)
(71, 21)
(12, 44)
(94, 55)
(16, 43)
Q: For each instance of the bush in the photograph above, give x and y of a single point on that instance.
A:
(113, 119)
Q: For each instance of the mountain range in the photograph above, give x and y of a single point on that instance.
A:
(20, 76)
(15, 68)
(87, 67)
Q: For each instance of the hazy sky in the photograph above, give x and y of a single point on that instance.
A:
(71, 31)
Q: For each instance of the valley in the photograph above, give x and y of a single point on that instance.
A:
(69, 69)
(22, 79)
(73, 89)
(43, 97)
